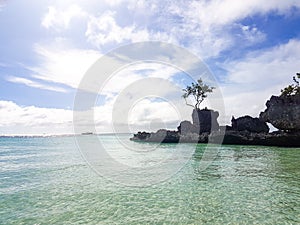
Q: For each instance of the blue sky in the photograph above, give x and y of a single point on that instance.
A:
(251, 47)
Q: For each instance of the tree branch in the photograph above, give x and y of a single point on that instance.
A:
(188, 103)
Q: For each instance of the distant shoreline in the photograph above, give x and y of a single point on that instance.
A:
(56, 135)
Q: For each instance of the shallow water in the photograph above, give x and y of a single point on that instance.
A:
(47, 181)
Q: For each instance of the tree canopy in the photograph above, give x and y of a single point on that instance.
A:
(292, 89)
(199, 92)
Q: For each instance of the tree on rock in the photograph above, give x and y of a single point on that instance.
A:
(292, 89)
(199, 92)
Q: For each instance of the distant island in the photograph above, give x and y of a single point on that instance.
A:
(87, 133)
(283, 112)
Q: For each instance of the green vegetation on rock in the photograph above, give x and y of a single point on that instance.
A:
(292, 89)
(199, 91)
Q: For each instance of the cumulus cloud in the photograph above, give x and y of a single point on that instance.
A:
(209, 27)
(115, 2)
(215, 12)
(17, 119)
(204, 27)
(57, 18)
(251, 34)
(105, 30)
(153, 115)
(270, 66)
(21, 120)
(67, 66)
(252, 80)
(63, 65)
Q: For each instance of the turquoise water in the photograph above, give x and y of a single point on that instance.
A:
(46, 181)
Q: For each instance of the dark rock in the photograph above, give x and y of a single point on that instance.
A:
(141, 135)
(248, 123)
(283, 112)
(267, 139)
(231, 137)
(225, 128)
(244, 130)
(161, 136)
(206, 120)
(186, 127)
(164, 136)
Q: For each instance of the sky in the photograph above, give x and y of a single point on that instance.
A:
(251, 48)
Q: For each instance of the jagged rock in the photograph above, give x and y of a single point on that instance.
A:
(231, 137)
(244, 130)
(283, 112)
(161, 136)
(281, 139)
(141, 136)
(186, 127)
(248, 123)
(206, 120)
(164, 136)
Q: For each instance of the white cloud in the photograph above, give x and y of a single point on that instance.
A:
(209, 27)
(251, 34)
(146, 111)
(151, 116)
(216, 12)
(105, 30)
(34, 84)
(68, 66)
(114, 2)
(251, 81)
(270, 66)
(17, 119)
(63, 65)
(205, 27)
(56, 18)
(121, 80)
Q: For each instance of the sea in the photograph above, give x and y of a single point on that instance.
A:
(55, 180)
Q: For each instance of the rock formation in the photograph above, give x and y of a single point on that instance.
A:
(248, 123)
(187, 127)
(205, 119)
(161, 136)
(283, 112)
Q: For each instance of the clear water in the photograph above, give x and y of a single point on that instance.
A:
(46, 181)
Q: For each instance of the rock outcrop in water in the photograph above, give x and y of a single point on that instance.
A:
(204, 121)
(283, 112)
